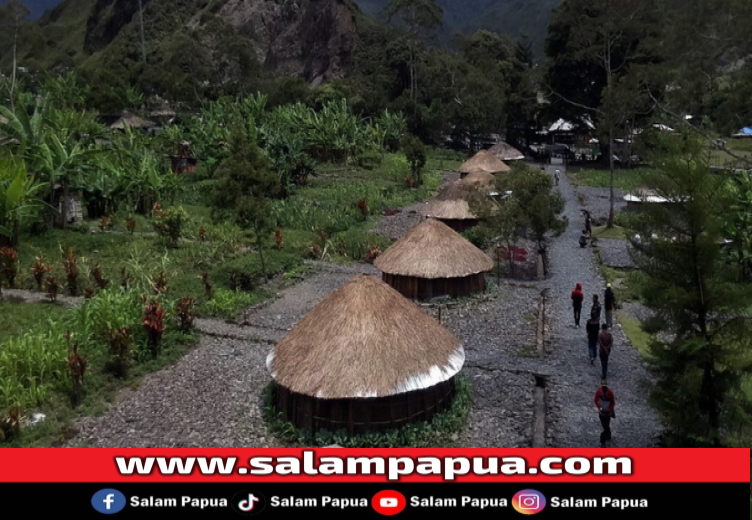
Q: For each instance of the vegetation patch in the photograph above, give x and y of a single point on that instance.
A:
(616, 232)
(625, 180)
(442, 432)
(635, 334)
(18, 318)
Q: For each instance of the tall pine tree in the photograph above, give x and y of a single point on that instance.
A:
(697, 299)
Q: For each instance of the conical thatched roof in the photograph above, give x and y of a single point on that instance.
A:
(365, 340)
(132, 120)
(452, 202)
(481, 179)
(484, 161)
(433, 250)
(506, 152)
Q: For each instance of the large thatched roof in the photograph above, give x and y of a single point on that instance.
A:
(453, 201)
(131, 120)
(433, 250)
(506, 152)
(365, 340)
(484, 161)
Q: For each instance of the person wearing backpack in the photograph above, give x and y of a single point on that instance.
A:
(605, 342)
(605, 403)
(577, 298)
(596, 307)
(610, 303)
(592, 327)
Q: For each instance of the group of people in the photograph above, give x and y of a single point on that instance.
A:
(587, 233)
(600, 343)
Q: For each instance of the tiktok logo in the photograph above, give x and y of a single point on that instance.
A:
(248, 503)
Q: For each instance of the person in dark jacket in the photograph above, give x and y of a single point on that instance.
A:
(583, 239)
(610, 304)
(577, 298)
(588, 224)
(593, 328)
(596, 307)
(605, 403)
(605, 342)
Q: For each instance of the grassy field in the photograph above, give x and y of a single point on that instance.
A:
(739, 147)
(625, 180)
(321, 220)
(18, 318)
(633, 330)
(615, 232)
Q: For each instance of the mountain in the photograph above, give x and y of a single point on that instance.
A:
(510, 17)
(36, 7)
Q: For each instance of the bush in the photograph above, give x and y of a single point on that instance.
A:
(169, 223)
(478, 236)
(438, 433)
(228, 304)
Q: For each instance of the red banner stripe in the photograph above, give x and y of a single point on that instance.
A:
(399, 465)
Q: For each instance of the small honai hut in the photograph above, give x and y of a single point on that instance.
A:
(433, 260)
(483, 161)
(505, 152)
(130, 120)
(452, 205)
(365, 359)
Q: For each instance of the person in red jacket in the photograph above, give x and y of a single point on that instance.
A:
(577, 299)
(605, 403)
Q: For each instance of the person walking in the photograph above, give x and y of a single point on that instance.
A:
(605, 342)
(605, 403)
(557, 176)
(577, 298)
(583, 238)
(596, 307)
(610, 302)
(593, 328)
(588, 224)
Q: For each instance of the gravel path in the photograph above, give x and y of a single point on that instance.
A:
(573, 380)
(615, 253)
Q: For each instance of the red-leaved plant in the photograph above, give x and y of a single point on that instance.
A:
(9, 265)
(278, 238)
(207, 285)
(130, 225)
(77, 367)
(52, 287)
(153, 321)
(71, 271)
(120, 341)
(202, 233)
(160, 283)
(185, 314)
(39, 271)
(363, 207)
(99, 278)
(104, 223)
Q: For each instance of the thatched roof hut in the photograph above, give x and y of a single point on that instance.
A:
(364, 359)
(452, 205)
(483, 161)
(505, 152)
(433, 260)
(129, 119)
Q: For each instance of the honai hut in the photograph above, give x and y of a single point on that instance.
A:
(433, 260)
(130, 120)
(364, 359)
(452, 205)
(483, 161)
(506, 152)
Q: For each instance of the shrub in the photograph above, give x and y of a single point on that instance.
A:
(228, 304)
(185, 314)
(9, 265)
(169, 223)
(40, 270)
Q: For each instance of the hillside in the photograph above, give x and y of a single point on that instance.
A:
(509, 17)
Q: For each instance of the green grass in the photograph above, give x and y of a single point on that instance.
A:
(637, 337)
(626, 283)
(615, 232)
(626, 180)
(17, 318)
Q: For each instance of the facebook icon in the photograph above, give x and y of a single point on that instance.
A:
(108, 501)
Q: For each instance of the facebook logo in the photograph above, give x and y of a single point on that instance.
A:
(108, 501)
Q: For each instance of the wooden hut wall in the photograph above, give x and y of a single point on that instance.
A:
(459, 225)
(425, 289)
(364, 415)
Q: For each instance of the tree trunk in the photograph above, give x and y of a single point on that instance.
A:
(609, 117)
(511, 260)
(259, 244)
(64, 206)
(12, 88)
(143, 40)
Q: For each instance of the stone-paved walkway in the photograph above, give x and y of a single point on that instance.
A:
(573, 381)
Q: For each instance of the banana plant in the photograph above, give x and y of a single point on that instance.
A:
(28, 129)
(19, 201)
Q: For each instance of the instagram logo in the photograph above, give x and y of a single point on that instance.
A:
(528, 502)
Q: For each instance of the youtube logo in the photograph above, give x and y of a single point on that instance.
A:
(389, 502)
